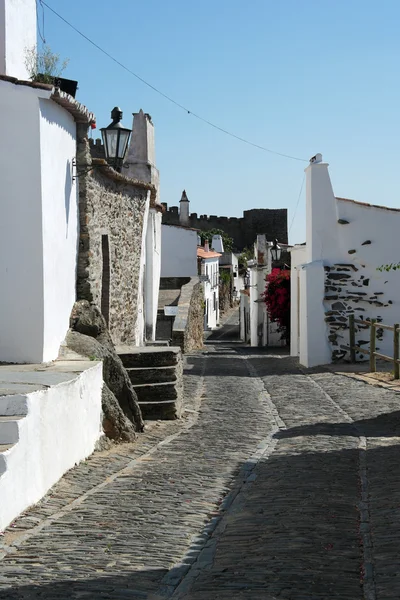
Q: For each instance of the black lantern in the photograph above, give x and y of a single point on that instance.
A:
(276, 251)
(115, 140)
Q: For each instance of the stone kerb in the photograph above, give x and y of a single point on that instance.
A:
(187, 330)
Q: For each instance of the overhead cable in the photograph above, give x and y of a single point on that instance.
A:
(158, 91)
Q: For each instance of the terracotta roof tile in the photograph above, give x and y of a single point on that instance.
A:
(201, 253)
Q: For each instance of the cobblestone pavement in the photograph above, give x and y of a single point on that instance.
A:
(279, 483)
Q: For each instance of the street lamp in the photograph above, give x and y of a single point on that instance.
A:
(115, 140)
(276, 251)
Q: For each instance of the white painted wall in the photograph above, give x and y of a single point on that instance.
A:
(21, 259)
(210, 267)
(38, 224)
(61, 428)
(179, 252)
(17, 32)
(298, 257)
(140, 323)
(328, 243)
(59, 222)
(153, 270)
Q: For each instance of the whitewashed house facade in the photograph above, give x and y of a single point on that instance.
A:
(256, 328)
(209, 271)
(335, 273)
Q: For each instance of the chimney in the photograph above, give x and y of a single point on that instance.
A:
(184, 210)
(217, 243)
(321, 213)
(206, 246)
(17, 34)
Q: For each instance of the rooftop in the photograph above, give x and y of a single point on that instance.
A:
(201, 253)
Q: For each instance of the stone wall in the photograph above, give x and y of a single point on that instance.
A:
(348, 291)
(111, 211)
(187, 330)
(243, 230)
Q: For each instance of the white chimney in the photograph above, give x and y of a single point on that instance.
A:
(17, 36)
(217, 243)
(206, 246)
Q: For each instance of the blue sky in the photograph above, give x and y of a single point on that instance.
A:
(296, 77)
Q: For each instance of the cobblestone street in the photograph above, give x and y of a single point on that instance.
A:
(278, 483)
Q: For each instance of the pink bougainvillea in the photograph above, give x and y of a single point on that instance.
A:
(277, 299)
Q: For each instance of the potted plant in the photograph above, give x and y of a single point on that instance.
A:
(45, 66)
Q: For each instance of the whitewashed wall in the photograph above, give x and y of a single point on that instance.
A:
(153, 270)
(21, 259)
(211, 289)
(140, 324)
(61, 428)
(179, 252)
(17, 32)
(59, 222)
(38, 224)
(346, 242)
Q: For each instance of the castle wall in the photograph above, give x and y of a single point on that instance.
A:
(243, 230)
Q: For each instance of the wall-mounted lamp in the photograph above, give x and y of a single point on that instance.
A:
(115, 140)
(276, 251)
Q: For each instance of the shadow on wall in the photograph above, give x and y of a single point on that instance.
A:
(67, 192)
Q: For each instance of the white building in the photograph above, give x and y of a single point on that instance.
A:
(140, 164)
(209, 270)
(179, 251)
(256, 327)
(38, 199)
(335, 273)
(50, 417)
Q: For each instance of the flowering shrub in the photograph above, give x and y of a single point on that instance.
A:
(277, 299)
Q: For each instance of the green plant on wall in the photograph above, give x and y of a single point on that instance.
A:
(208, 235)
(225, 276)
(44, 65)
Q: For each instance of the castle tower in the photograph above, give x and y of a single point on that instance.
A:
(184, 210)
(17, 36)
(141, 158)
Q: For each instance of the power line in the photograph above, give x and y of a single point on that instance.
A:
(298, 200)
(189, 112)
(41, 35)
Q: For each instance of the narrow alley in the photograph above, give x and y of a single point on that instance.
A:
(279, 483)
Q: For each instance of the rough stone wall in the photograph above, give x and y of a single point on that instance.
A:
(188, 325)
(348, 291)
(225, 296)
(110, 205)
(244, 230)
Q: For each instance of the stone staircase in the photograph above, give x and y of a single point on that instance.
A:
(13, 409)
(156, 375)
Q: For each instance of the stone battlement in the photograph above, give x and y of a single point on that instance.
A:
(243, 230)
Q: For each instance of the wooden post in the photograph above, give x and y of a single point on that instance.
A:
(372, 347)
(396, 351)
(352, 339)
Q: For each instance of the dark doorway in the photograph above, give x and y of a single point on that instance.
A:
(105, 278)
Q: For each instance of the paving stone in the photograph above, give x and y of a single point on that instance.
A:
(264, 490)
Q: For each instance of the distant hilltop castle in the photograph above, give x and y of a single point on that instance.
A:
(243, 230)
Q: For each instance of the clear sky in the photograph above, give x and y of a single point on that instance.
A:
(293, 76)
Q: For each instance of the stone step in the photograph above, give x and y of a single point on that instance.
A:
(141, 375)
(9, 429)
(166, 410)
(15, 404)
(156, 392)
(149, 356)
(3, 460)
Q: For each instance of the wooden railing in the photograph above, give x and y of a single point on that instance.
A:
(373, 354)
